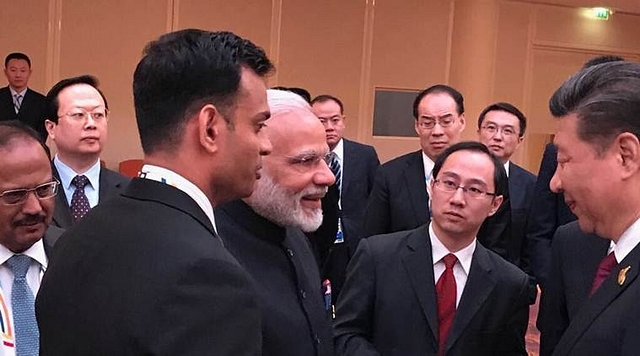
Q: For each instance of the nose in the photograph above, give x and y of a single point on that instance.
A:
(437, 130)
(555, 184)
(265, 144)
(498, 135)
(324, 176)
(90, 123)
(457, 198)
(31, 205)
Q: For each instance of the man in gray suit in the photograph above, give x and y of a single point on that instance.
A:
(76, 120)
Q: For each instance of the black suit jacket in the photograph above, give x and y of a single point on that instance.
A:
(399, 201)
(388, 305)
(548, 212)
(571, 322)
(521, 184)
(146, 274)
(295, 321)
(360, 163)
(111, 185)
(32, 110)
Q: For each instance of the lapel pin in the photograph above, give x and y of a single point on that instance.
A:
(622, 276)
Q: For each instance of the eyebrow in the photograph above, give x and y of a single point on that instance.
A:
(495, 124)
(470, 181)
(435, 116)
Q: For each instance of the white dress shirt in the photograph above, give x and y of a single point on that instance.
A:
(91, 190)
(34, 273)
(627, 241)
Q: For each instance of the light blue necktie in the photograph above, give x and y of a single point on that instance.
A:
(22, 302)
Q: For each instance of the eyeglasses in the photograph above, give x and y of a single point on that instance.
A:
(431, 123)
(307, 162)
(450, 186)
(81, 115)
(19, 196)
(492, 129)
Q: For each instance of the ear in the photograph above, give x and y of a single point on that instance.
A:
(495, 204)
(416, 127)
(463, 121)
(210, 125)
(50, 126)
(627, 148)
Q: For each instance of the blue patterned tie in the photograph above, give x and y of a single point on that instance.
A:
(79, 201)
(22, 302)
(334, 165)
(17, 102)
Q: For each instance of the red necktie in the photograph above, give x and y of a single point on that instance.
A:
(604, 268)
(446, 293)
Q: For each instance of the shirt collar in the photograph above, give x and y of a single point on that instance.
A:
(166, 176)
(438, 251)
(36, 252)
(13, 92)
(428, 166)
(339, 150)
(67, 173)
(627, 241)
(506, 168)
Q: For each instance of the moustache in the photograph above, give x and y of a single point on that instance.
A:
(30, 220)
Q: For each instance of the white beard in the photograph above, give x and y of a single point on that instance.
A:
(282, 206)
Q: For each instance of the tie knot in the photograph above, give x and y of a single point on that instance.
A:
(18, 96)
(80, 181)
(449, 260)
(608, 263)
(19, 264)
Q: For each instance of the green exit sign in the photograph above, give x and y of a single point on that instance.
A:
(601, 13)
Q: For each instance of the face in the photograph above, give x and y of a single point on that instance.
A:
(500, 132)
(439, 108)
(454, 214)
(243, 143)
(17, 72)
(329, 114)
(586, 179)
(24, 166)
(79, 137)
(297, 174)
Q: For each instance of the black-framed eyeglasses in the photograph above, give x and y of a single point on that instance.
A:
(19, 196)
(492, 129)
(451, 186)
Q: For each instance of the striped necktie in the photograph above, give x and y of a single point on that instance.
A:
(17, 102)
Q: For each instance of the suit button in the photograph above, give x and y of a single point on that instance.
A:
(317, 339)
(303, 293)
(290, 252)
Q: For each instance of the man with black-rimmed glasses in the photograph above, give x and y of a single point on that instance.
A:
(27, 191)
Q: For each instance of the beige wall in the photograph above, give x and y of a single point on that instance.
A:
(491, 50)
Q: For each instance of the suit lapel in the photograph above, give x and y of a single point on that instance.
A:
(479, 285)
(61, 212)
(353, 164)
(418, 262)
(417, 186)
(109, 187)
(599, 301)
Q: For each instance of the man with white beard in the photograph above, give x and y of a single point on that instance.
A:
(265, 232)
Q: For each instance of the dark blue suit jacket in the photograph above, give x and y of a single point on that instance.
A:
(32, 110)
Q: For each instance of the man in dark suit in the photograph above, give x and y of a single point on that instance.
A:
(17, 101)
(77, 115)
(391, 303)
(599, 173)
(399, 198)
(265, 231)
(357, 164)
(27, 190)
(501, 127)
(149, 264)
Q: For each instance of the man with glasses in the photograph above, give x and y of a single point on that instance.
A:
(399, 199)
(501, 128)
(434, 290)
(265, 231)
(27, 190)
(76, 119)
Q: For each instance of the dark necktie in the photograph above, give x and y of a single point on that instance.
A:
(334, 165)
(17, 102)
(22, 303)
(604, 268)
(446, 293)
(79, 202)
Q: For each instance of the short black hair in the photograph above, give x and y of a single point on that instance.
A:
(52, 102)
(437, 89)
(606, 100)
(182, 71)
(326, 97)
(15, 130)
(601, 59)
(506, 107)
(304, 93)
(501, 185)
(17, 55)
